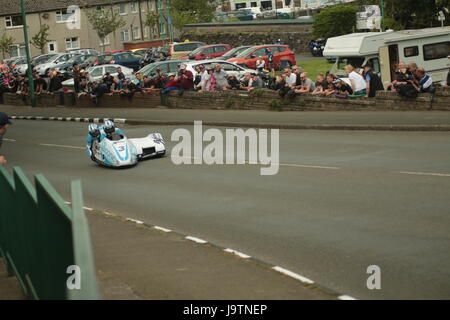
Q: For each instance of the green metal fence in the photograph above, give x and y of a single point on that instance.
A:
(41, 237)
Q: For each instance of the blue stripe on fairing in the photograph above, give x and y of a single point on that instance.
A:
(118, 154)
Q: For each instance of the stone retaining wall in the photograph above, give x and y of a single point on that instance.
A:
(260, 99)
(269, 100)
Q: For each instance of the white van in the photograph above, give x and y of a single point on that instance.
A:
(428, 48)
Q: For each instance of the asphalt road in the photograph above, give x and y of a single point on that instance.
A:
(341, 202)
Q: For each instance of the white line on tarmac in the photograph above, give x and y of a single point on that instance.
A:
(292, 275)
(239, 254)
(198, 240)
(426, 174)
(60, 146)
(345, 297)
(9, 140)
(162, 229)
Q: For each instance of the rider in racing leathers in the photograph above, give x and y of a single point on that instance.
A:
(101, 132)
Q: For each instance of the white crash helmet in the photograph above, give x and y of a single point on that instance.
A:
(109, 127)
(94, 130)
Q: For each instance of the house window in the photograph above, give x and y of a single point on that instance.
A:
(105, 41)
(136, 33)
(436, 51)
(134, 7)
(125, 35)
(122, 9)
(72, 43)
(18, 50)
(63, 16)
(146, 32)
(13, 21)
(411, 51)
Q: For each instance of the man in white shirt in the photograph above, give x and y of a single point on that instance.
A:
(291, 78)
(357, 81)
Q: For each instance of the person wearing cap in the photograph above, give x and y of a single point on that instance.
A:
(4, 125)
(373, 81)
(186, 78)
(172, 85)
(342, 89)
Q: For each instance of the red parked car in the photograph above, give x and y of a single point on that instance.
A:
(211, 51)
(282, 56)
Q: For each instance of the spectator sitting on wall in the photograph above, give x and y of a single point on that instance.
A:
(256, 83)
(330, 87)
(4, 125)
(306, 86)
(129, 88)
(412, 67)
(12, 83)
(160, 80)
(76, 76)
(373, 81)
(425, 81)
(55, 84)
(401, 77)
(40, 85)
(209, 82)
(23, 88)
(109, 80)
(291, 81)
(357, 81)
(199, 69)
(246, 82)
(233, 83)
(186, 78)
(342, 89)
(321, 85)
(173, 84)
(280, 82)
(97, 90)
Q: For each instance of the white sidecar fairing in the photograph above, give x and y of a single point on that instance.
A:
(115, 153)
(150, 146)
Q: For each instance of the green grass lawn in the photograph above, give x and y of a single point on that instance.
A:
(313, 68)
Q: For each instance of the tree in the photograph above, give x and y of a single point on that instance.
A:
(6, 44)
(105, 21)
(152, 21)
(411, 14)
(40, 39)
(191, 11)
(335, 21)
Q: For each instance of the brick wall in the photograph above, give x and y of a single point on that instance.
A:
(260, 99)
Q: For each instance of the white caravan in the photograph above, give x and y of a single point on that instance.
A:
(428, 48)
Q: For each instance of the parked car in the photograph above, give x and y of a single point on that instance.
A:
(140, 51)
(229, 67)
(21, 69)
(126, 59)
(169, 66)
(97, 73)
(85, 51)
(84, 61)
(52, 62)
(234, 52)
(211, 51)
(248, 58)
(181, 49)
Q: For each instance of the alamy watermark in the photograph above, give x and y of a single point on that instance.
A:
(374, 280)
(230, 148)
(74, 280)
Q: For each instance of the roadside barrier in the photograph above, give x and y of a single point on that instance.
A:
(44, 242)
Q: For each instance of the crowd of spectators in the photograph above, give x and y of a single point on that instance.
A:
(409, 80)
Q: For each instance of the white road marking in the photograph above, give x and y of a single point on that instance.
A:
(293, 275)
(162, 229)
(88, 209)
(9, 140)
(308, 166)
(110, 214)
(198, 240)
(345, 297)
(239, 254)
(60, 146)
(135, 221)
(426, 174)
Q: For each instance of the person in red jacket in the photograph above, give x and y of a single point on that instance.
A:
(173, 84)
(186, 78)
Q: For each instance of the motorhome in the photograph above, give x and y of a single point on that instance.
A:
(428, 48)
